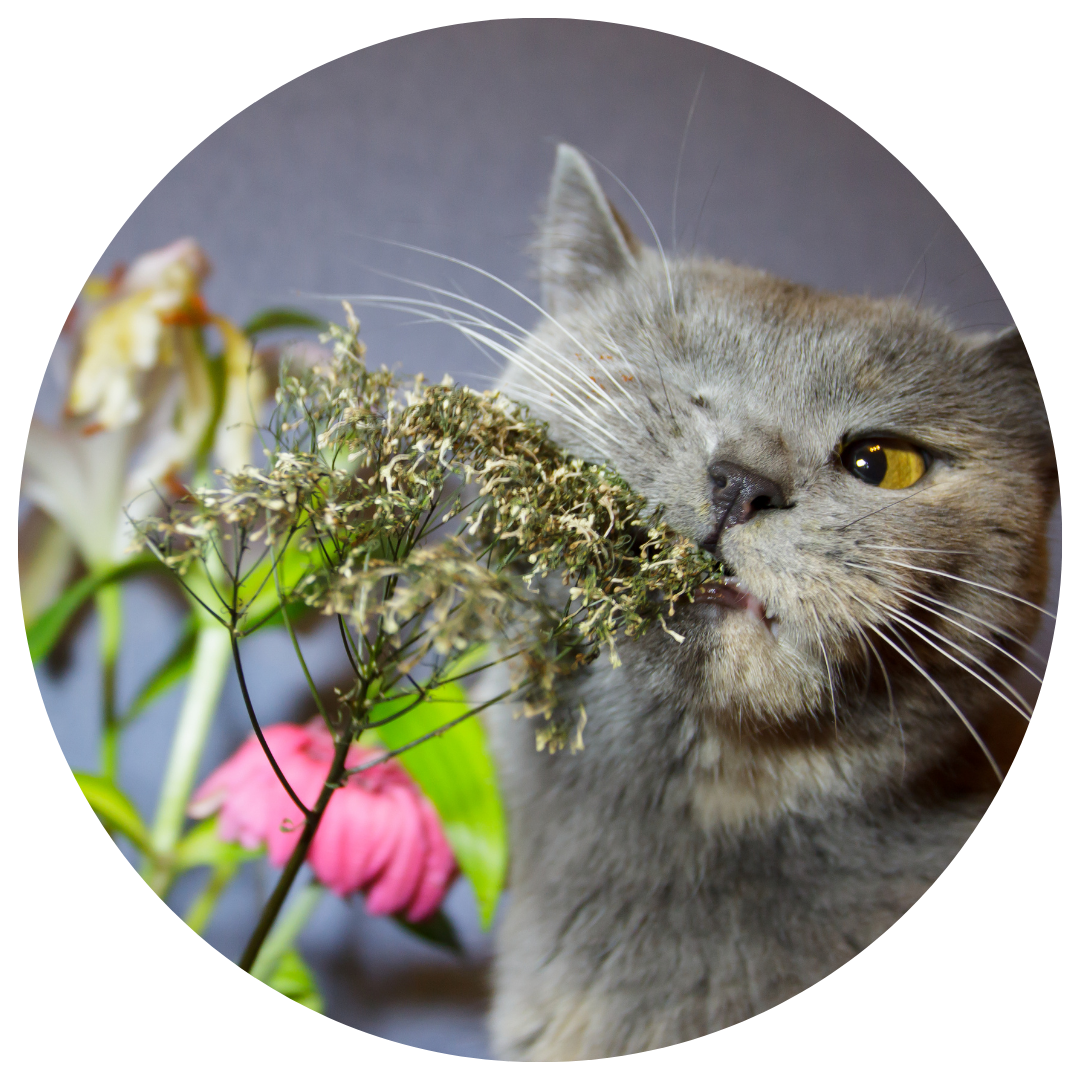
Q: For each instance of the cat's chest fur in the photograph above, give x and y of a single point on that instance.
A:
(771, 778)
(633, 925)
(654, 898)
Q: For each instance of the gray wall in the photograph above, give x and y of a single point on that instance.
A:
(445, 140)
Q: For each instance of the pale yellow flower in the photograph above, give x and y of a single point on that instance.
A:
(138, 409)
(80, 480)
(145, 323)
(247, 389)
(138, 414)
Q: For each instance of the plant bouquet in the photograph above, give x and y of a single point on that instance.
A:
(463, 557)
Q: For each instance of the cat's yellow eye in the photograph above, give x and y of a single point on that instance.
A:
(885, 463)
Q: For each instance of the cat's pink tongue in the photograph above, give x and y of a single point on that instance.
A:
(729, 593)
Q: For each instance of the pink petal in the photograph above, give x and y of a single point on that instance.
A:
(386, 832)
(358, 755)
(378, 831)
(283, 824)
(440, 868)
(375, 839)
(327, 855)
(247, 764)
(296, 760)
(366, 818)
(306, 776)
(397, 883)
(247, 813)
(224, 780)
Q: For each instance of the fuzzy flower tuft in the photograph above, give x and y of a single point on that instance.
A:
(379, 834)
(434, 518)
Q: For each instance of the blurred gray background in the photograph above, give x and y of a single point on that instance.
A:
(445, 140)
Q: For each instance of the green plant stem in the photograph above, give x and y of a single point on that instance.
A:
(281, 938)
(296, 859)
(202, 907)
(110, 627)
(283, 604)
(213, 652)
(257, 728)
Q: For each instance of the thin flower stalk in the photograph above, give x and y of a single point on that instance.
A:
(428, 520)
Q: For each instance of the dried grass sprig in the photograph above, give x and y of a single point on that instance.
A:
(430, 518)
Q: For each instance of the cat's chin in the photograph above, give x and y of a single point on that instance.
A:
(735, 661)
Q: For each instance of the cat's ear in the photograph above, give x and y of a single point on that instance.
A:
(1004, 359)
(582, 239)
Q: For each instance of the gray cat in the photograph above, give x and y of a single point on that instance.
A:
(771, 781)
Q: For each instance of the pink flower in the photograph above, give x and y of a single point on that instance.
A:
(379, 832)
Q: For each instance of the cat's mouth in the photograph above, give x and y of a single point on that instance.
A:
(728, 592)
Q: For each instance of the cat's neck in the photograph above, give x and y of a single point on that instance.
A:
(666, 833)
(737, 773)
(740, 783)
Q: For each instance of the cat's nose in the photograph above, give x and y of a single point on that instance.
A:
(738, 494)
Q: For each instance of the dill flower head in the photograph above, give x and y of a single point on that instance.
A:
(427, 518)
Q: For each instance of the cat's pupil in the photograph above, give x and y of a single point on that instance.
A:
(869, 462)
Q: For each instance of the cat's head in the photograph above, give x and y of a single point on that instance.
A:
(875, 486)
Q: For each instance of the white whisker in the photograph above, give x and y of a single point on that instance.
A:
(948, 700)
(974, 633)
(913, 624)
(564, 368)
(893, 714)
(616, 351)
(648, 221)
(410, 304)
(566, 396)
(498, 281)
(973, 584)
(829, 677)
(982, 622)
(905, 547)
(916, 597)
(524, 394)
(678, 167)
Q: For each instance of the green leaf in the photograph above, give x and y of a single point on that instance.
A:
(201, 846)
(44, 632)
(437, 929)
(114, 808)
(259, 592)
(455, 771)
(173, 668)
(281, 319)
(257, 596)
(293, 978)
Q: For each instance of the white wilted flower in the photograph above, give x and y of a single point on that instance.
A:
(142, 325)
(139, 407)
(247, 388)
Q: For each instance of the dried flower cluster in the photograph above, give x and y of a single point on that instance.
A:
(426, 518)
